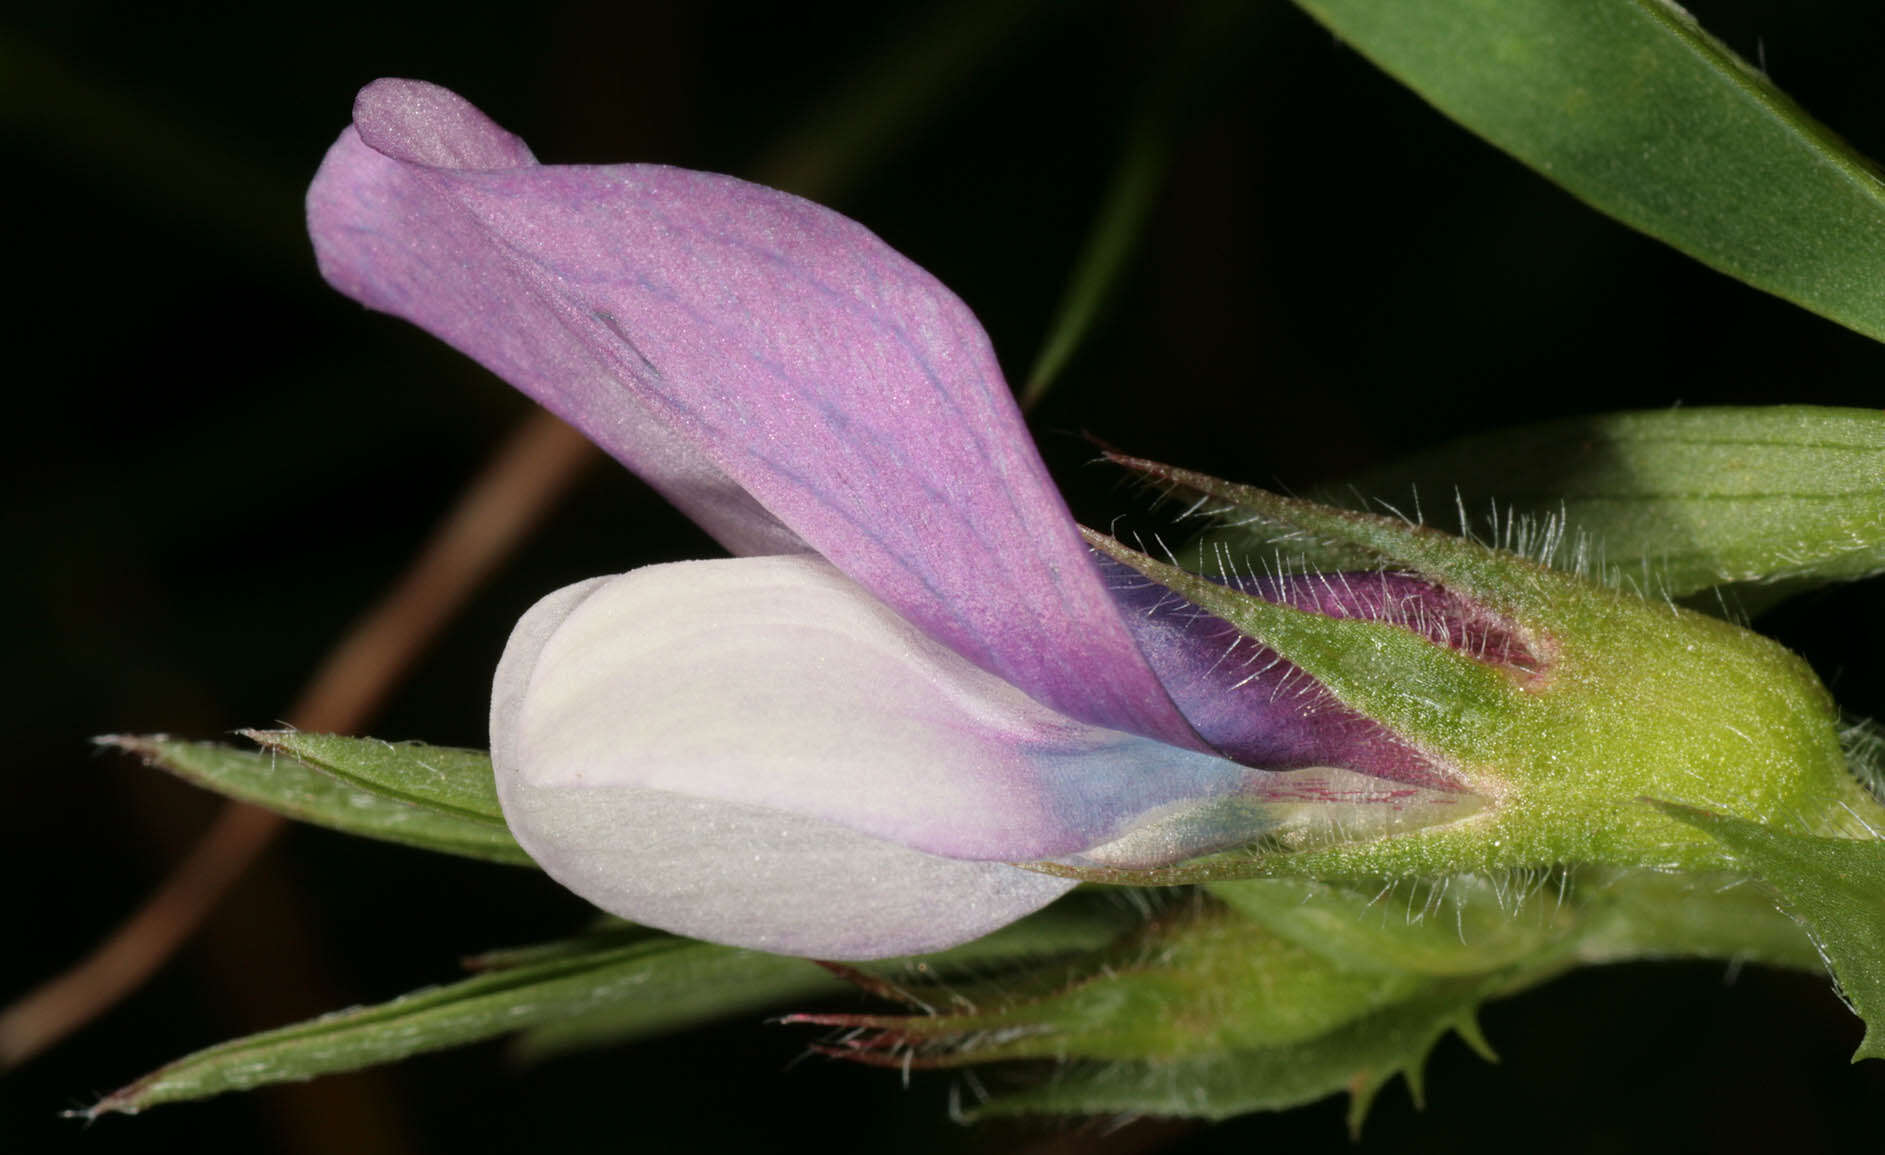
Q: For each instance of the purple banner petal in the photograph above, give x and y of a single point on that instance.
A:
(726, 340)
(385, 237)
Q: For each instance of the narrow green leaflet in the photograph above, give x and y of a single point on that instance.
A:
(1836, 888)
(614, 984)
(728, 981)
(1190, 65)
(1115, 234)
(442, 778)
(685, 984)
(677, 981)
(1634, 109)
(607, 933)
(286, 786)
(1671, 502)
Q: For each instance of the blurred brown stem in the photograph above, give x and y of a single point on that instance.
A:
(500, 506)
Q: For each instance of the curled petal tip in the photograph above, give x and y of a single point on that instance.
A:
(780, 373)
(421, 123)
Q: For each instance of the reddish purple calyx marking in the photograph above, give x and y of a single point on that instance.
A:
(1258, 709)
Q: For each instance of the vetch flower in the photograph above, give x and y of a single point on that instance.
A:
(915, 674)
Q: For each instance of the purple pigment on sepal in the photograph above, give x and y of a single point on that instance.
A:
(1256, 708)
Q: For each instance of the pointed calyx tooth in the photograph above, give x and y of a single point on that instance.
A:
(1503, 582)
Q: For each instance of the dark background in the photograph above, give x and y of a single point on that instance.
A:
(214, 463)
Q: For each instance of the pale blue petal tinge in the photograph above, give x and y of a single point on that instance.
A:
(780, 682)
(757, 751)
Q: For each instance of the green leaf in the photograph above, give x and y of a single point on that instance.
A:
(674, 980)
(606, 933)
(1201, 981)
(1835, 887)
(616, 983)
(1360, 1058)
(1311, 989)
(728, 982)
(443, 778)
(1630, 915)
(1634, 109)
(681, 985)
(1201, 51)
(1671, 503)
(287, 787)
(1462, 924)
(1114, 237)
